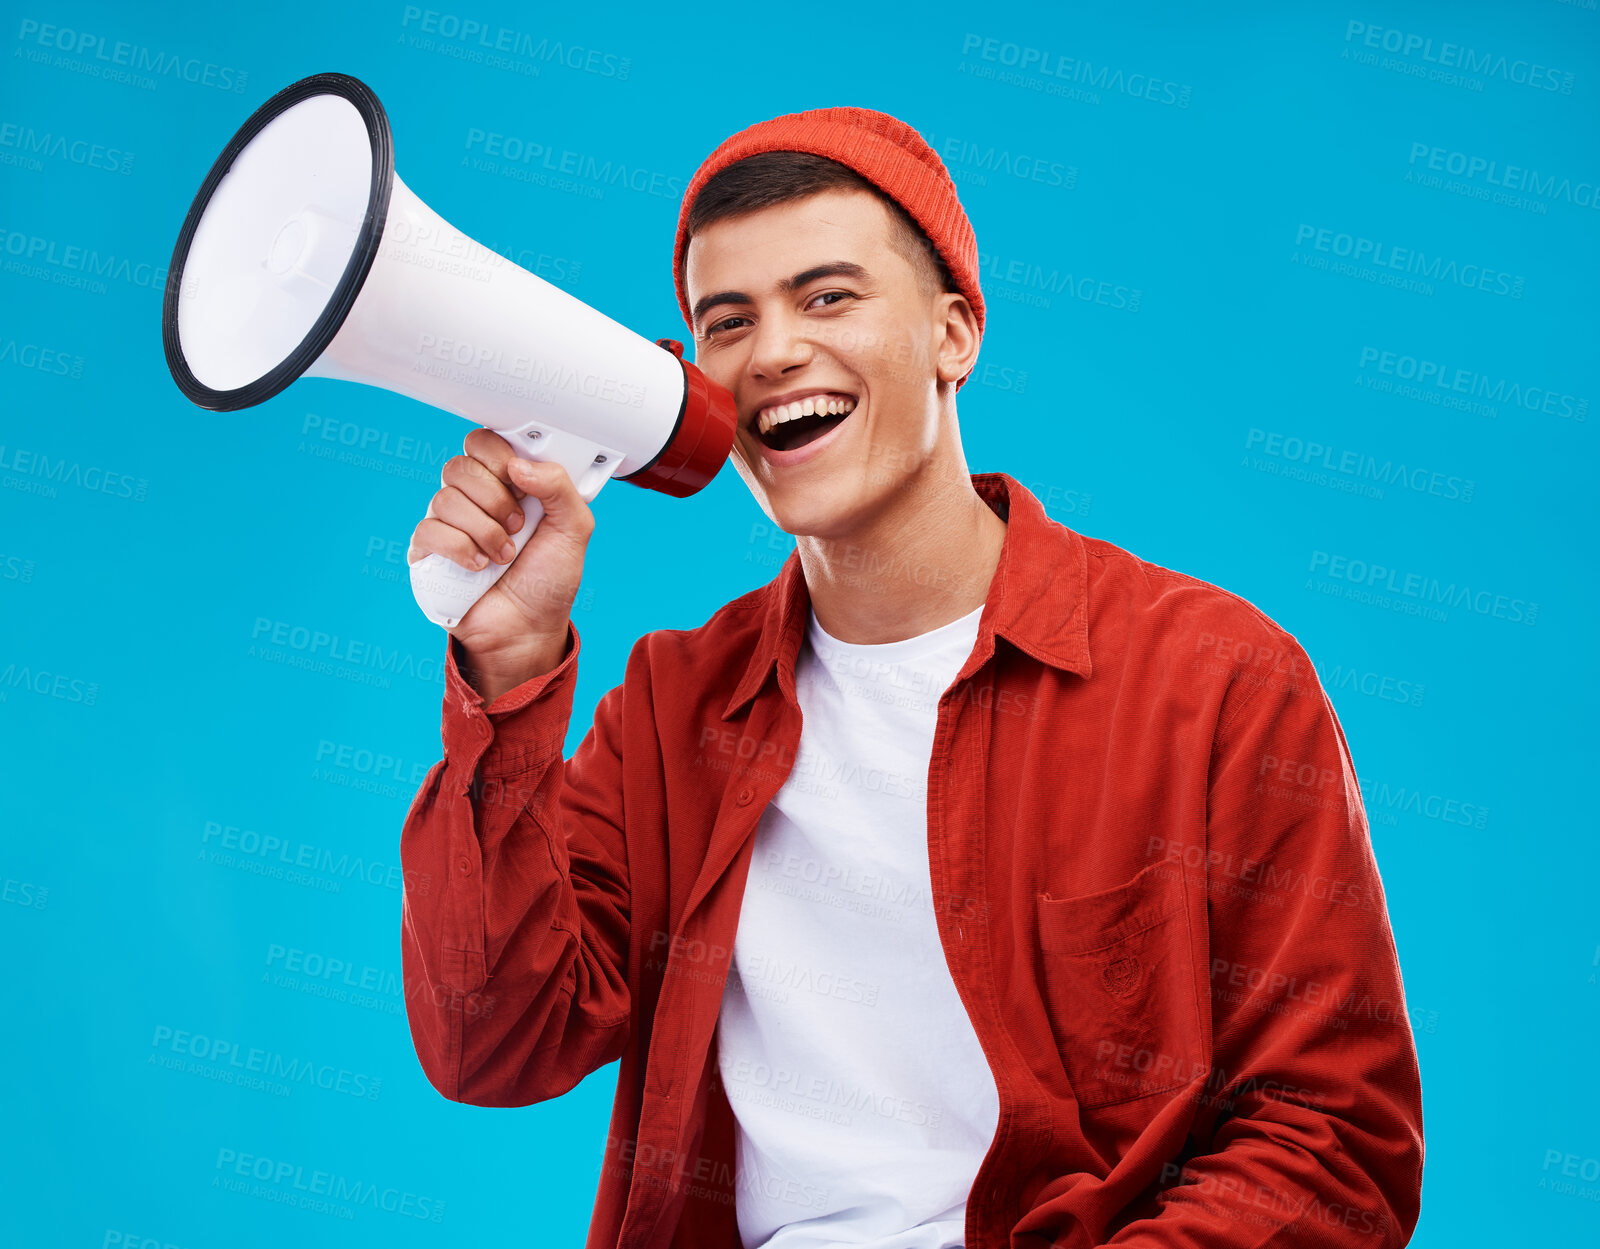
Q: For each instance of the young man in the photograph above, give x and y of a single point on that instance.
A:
(973, 882)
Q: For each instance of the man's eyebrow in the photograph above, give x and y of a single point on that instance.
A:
(831, 269)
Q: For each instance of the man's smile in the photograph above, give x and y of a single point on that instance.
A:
(791, 420)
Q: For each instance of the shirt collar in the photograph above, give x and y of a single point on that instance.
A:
(1037, 601)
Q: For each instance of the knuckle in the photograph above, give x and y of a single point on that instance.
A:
(425, 539)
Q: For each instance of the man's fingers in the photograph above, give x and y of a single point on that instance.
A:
(491, 494)
(490, 537)
(434, 537)
(549, 482)
(490, 450)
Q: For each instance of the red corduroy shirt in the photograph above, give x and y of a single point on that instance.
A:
(1151, 872)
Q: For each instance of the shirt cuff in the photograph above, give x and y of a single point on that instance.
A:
(523, 728)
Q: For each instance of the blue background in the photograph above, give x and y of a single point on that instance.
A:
(146, 545)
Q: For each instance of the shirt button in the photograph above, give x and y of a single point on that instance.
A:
(745, 796)
(465, 864)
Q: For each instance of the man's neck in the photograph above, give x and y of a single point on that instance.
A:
(916, 568)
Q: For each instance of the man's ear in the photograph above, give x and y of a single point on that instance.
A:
(958, 347)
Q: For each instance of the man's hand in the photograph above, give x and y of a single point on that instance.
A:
(518, 628)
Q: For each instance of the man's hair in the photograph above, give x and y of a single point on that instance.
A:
(770, 178)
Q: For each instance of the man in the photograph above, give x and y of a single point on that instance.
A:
(972, 882)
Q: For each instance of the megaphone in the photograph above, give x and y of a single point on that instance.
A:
(305, 255)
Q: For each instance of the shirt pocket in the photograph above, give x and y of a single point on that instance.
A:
(1119, 988)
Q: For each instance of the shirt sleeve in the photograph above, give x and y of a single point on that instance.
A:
(1314, 1100)
(515, 922)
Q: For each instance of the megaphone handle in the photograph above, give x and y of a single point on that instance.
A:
(446, 591)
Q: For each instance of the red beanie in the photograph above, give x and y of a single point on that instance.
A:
(883, 150)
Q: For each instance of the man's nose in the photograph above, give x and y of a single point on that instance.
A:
(779, 345)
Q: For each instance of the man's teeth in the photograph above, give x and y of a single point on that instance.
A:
(828, 405)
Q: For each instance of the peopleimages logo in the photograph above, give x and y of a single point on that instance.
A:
(1384, 801)
(1455, 56)
(1336, 677)
(1359, 465)
(229, 1057)
(52, 473)
(1035, 284)
(483, 37)
(314, 1182)
(48, 684)
(1423, 588)
(541, 372)
(560, 160)
(315, 649)
(82, 264)
(1505, 176)
(119, 61)
(1380, 255)
(981, 159)
(42, 359)
(1047, 63)
(1441, 377)
(29, 145)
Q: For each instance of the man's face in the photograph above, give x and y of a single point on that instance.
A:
(810, 298)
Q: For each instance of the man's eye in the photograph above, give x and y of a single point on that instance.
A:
(730, 322)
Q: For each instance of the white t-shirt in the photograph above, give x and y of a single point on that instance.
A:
(864, 1102)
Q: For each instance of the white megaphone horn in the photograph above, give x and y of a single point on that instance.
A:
(304, 255)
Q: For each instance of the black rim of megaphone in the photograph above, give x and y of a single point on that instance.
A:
(355, 272)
